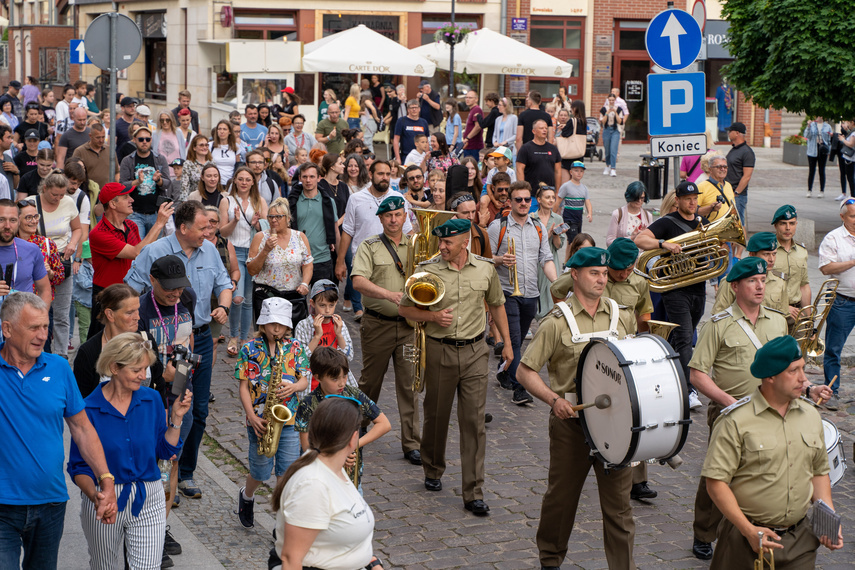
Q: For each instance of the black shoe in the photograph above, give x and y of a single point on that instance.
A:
(211, 398)
(414, 456)
(170, 545)
(521, 397)
(478, 508)
(702, 550)
(550, 568)
(433, 484)
(245, 508)
(166, 561)
(497, 350)
(504, 380)
(488, 417)
(491, 341)
(642, 491)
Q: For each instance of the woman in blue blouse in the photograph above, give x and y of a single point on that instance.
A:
(818, 135)
(132, 425)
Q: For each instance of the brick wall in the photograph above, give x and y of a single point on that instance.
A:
(744, 113)
(39, 37)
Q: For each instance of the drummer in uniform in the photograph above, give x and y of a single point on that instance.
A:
(379, 274)
(454, 331)
(762, 245)
(726, 345)
(570, 458)
(791, 263)
(766, 463)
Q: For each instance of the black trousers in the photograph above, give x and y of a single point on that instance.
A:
(684, 308)
(813, 162)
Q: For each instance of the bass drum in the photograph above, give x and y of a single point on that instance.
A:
(649, 414)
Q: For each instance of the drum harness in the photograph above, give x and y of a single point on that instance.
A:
(743, 324)
(578, 337)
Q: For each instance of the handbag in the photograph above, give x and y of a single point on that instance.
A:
(573, 146)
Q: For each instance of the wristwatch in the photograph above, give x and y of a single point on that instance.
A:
(661, 243)
(172, 425)
(223, 307)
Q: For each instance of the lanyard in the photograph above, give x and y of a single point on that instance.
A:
(163, 324)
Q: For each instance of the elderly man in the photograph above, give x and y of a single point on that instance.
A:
(95, 156)
(37, 392)
(837, 261)
(539, 160)
(207, 276)
(76, 136)
(329, 130)
(716, 193)
(406, 130)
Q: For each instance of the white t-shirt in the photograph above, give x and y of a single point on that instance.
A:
(361, 220)
(85, 206)
(316, 498)
(224, 159)
(415, 157)
(63, 112)
(58, 222)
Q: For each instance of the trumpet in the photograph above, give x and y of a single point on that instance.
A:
(513, 276)
(762, 561)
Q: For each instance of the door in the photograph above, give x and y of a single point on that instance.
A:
(634, 71)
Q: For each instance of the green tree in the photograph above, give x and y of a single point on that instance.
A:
(794, 54)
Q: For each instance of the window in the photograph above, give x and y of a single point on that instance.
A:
(631, 35)
(386, 25)
(556, 34)
(561, 38)
(265, 25)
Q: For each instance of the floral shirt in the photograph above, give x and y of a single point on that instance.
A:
(190, 175)
(282, 269)
(53, 262)
(255, 366)
(443, 163)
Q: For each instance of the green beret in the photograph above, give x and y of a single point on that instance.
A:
(589, 257)
(390, 204)
(775, 356)
(452, 228)
(763, 241)
(622, 253)
(748, 267)
(785, 212)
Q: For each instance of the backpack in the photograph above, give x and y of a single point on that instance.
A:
(504, 227)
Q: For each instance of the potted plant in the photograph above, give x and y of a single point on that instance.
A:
(795, 150)
(451, 34)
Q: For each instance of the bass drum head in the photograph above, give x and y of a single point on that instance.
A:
(608, 431)
(831, 434)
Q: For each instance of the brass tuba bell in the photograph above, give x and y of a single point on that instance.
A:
(424, 289)
(661, 329)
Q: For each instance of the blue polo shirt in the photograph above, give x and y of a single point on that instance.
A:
(32, 409)
(29, 261)
(205, 270)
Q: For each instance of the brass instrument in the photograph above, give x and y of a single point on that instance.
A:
(353, 472)
(661, 329)
(702, 256)
(810, 320)
(513, 276)
(762, 561)
(276, 413)
(424, 291)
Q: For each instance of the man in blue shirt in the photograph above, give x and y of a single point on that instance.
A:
(251, 132)
(38, 392)
(207, 275)
(24, 258)
(406, 130)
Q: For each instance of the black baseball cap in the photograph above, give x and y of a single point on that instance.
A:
(32, 134)
(738, 127)
(687, 188)
(170, 272)
(14, 83)
(127, 102)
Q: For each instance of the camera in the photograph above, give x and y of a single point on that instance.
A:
(719, 199)
(162, 200)
(185, 363)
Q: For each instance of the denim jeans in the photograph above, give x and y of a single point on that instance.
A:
(240, 317)
(354, 123)
(38, 528)
(203, 345)
(611, 141)
(144, 222)
(473, 153)
(839, 324)
(813, 162)
(351, 294)
(61, 324)
(684, 309)
(288, 451)
(520, 311)
(741, 203)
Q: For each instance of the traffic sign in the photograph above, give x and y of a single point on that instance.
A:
(128, 41)
(678, 145)
(673, 39)
(676, 104)
(77, 53)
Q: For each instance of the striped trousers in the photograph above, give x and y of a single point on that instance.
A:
(143, 535)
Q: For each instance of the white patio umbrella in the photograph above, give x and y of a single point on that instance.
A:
(362, 50)
(486, 51)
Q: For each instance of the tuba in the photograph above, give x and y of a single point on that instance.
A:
(702, 257)
(810, 320)
(661, 329)
(275, 412)
(424, 289)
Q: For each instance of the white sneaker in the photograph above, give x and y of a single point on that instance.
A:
(606, 173)
(841, 197)
(613, 173)
(694, 401)
(821, 195)
(808, 195)
(529, 335)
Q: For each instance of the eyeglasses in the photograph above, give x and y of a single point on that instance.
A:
(417, 177)
(143, 344)
(144, 139)
(522, 199)
(274, 217)
(339, 396)
(724, 166)
(31, 218)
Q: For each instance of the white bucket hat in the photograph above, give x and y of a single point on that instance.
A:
(275, 310)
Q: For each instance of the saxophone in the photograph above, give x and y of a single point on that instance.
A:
(275, 413)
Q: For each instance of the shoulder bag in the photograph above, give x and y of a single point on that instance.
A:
(572, 146)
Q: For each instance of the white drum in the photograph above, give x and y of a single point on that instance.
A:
(834, 448)
(649, 414)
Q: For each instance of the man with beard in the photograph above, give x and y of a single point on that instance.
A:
(20, 259)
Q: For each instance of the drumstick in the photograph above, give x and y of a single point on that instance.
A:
(821, 400)
(602, 402)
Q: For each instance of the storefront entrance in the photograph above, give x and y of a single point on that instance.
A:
(632, 80)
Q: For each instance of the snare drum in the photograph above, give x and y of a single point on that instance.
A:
(649, 414)
(834, 448)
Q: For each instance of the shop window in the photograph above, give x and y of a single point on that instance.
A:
(153, 27)
(265, 25)
(561, 38)
(386, 25)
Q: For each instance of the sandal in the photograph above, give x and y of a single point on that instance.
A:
(232, 349)
(222, 339)
(346, 308)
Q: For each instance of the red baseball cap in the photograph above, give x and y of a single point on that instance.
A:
(113, 189)
(288, 90)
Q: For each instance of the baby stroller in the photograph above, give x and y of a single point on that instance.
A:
(593, 136)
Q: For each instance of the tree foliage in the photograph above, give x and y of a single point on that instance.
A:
(794, 54)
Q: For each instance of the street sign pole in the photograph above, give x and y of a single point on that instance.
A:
(112, 97)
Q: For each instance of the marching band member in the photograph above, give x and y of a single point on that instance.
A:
(762, 245)
(792, 259)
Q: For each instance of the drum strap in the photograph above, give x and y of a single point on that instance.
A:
(747, 329)
(578, 337)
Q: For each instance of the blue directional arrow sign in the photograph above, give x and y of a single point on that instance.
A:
(676, 104)
(673, 40)
(77, 53)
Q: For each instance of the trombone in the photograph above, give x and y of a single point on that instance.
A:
(513, 276)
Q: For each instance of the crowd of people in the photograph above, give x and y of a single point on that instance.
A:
(249, 236)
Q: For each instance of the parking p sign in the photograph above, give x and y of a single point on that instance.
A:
(676, 104)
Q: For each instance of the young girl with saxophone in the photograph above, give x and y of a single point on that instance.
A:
(272, 370)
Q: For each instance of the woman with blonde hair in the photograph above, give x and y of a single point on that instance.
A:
(198, 155)
(352, 107)
(166, 140)
(329, 98)
(275, 141)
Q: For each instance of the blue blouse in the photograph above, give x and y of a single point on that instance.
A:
(132, 442)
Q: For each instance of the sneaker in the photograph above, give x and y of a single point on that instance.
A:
(521, 397)
(189, 488)
(176, 501)
(833, 403)
(642, 491)
(504, 380)
(809, 194)
(821, 194)
(166, 561)
(170, 545)
(694, 401)
(606, 171)
(529, 335)
(612, 172)
(244, 512)
(497, 350)
(841, 197)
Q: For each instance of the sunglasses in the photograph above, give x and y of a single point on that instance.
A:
(520, 199)
(848, 202)
(24, 203)
(144, 139)
(417, 177)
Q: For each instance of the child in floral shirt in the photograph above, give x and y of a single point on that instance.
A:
(254, 366)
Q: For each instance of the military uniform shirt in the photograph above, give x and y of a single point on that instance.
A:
(776, 296)
(465, 293)
(725, 352)
(768, 460)
(632, 294)
(794, 265)
(373, 261)
(553, 345)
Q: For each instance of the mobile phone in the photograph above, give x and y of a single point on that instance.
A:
(561, 229)
(436, 153)
(183, 371)
(162, 200)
